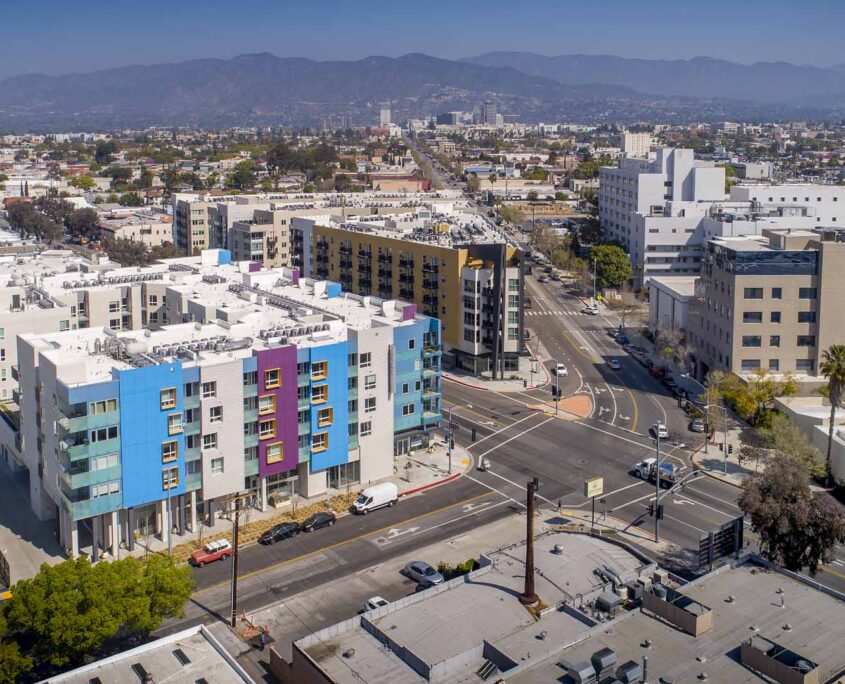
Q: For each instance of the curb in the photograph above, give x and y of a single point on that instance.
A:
(465, 384)
(430, 485)
(709, 473)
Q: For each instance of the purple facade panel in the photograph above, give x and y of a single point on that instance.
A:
(294, 276)
(254, 266)
(409, 312)
(287, 431)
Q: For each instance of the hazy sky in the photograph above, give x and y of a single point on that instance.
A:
(61, 36)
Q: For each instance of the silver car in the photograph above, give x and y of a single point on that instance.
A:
(420, 571)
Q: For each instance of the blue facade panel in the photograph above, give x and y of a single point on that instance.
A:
(408, 341)
(143, 429)
(337, 356)
(224, 256)
(250, 364)
(88, 393)
(333, 289)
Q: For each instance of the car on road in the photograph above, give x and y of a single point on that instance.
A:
(646, 470)
(318, 520)
(614, 364)
(526, 303)
(374, 603)
(591, 310)
(696, 425)
(213, 551)
(420, 571)
(284, 530)
(659, 430)
(543, 279)
(623, 339)
(561, 370)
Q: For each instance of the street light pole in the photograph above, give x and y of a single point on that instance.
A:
(724, 410)
(594, 283)
(657, 491)
(557, 388)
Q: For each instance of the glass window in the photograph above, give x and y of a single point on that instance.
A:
(99, 407)
(370, 381)
(251, 378)
(319, 370)
(105, 489)
(325, 416)
(168, 398)
(272, 378)
(352, 406)
(754, 293)
(412, 343)
(775, 317)
(216, 465)
(209, 389)
(320, 441)
(250, 453)
(209, 441)
(366, 428)
(750, 364)
(806, 293)
(408, 409)
(513, 284)
(774, 364)
(103, 434)
(169, 451)
(103, 462)
(174, 423)
(215, 414)
(365, 360)
(752, 317)
(806, 316)
(806, 341)
(275, 452)
(804, 365)
(369, 404)
(751, 340)
(267, 429)
(319, 394)
(774, 340)
(352, 360)
(777, 293)
(267, 404)
(170, 478)
(191, 389)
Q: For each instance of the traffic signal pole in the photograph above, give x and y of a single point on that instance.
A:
(657, 491)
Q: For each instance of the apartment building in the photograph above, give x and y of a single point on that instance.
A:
(452, 266)
(636, 144)
(151, 229)
(273, 384)
(191, 224)
(824, 203)
(772, 302)
(653, 208)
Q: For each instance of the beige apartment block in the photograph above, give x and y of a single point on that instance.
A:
(773, 302)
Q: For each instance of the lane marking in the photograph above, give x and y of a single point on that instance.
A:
(493, 489)
(519, 486)
(521, 434)
(498, 432)
(330, 547)
(732, 504)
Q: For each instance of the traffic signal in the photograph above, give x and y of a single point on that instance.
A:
(660, 512)
(554, 391)
(730, 448)
(651, 510)
(721, 446)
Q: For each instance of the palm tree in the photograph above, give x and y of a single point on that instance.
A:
(833, 368)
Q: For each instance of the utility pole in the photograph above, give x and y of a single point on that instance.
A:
(529, 596)
(557, 388)
(235, 563)
(657, 491)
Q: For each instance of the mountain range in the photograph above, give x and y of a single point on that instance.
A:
(268, 90)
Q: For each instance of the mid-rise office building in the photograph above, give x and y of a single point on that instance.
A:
(452, 266)
(636, 144)
(489, 114)
(270, 383)
(384, 114)
(772, 302)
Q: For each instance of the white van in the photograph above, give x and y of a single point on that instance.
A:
(384, 494)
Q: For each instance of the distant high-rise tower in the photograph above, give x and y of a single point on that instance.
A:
(384, 114)
(488, 113)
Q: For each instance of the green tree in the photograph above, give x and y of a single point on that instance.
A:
(243, 177)
(797, 529)
(12, 664)
(586, 170)
(84, 222)
(131, 199)
(533, 196)
(833, 368)
(561, 196)
(267, 184)
(70, 609)
(590, 232)
(755, 396)
(782, 435)
(28, 222)
(511, 215)
(82, 182)
(3, 177)
(473, 184)
(612, 265)
(104, 152)
(166, 250)
(145, 179)
(126, 252)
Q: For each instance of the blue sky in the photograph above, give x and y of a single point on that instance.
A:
(61, 36)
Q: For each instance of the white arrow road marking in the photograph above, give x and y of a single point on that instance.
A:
(684, 502)
(621, 417)
(474, 506)
(395, 532)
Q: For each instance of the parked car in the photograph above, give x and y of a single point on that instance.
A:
(375, 603)
(696, 425)
(657, 371)
(555, 276)
(614, 364)
(213, 551)
(561, 370)
(318, 520)
(623, 339)
(612, 332)
(384, 494)
(279, 532)
(420, 571)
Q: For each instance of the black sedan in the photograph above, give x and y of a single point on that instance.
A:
(318, 520)
(279, 532)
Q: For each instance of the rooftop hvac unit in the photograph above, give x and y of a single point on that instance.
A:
(603, 661)
(629, 673)
(579, 673)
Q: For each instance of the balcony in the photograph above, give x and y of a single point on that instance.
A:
(193, 481)
(430, 284)
(407, 279)
(364, 254)
(345, 249)
(385, 259)
(429, 268)
(250, 416)
(76, 480)
(430, 372)
(249, 391)
(432, 350)
(406, 294)
(84, 422)
(431, 417)
(303, 403)
(406, 263)
(345, 263)
(305, 454)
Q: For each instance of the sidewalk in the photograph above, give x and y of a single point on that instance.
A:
(516, 381)
(714, 463)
